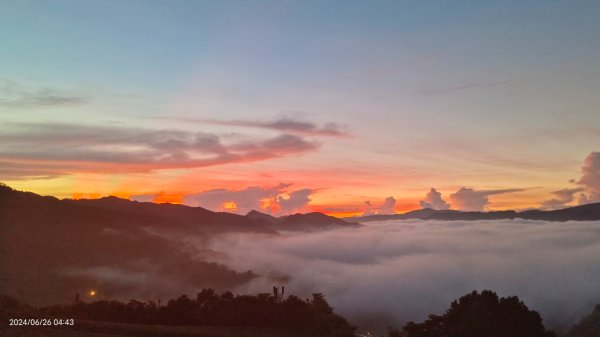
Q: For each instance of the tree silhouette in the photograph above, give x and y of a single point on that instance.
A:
(482, 315)
(313, 315)
(394, 332)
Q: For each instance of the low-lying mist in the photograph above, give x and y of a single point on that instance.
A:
(387, 273)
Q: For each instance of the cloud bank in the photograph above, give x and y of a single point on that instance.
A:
(589, 182)
(275, 200)
(406, 270)
(562, 198)
(15, 96)
(468, 199)
(387, 207)
(283, 124)
(55, 148)
(434, 200)
(295, 202)
(590, 178)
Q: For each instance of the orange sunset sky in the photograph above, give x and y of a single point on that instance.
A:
(347, 108)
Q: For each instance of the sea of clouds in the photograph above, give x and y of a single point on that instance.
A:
(390, 272)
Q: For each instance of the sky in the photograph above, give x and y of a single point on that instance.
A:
(344, 107)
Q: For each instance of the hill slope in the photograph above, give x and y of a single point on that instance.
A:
(51, 249)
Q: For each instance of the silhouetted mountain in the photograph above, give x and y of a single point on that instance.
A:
(300, 222)
(580, 213)
(51, 249)
(262, 218)
(577, 213)
(179, 217)
(312, 221)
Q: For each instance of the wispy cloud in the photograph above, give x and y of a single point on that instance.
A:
(283, 124)
(562, 198)
(76, 147)
(240, 201)
(275, 199)
(589, 182)
(15, 96)
(435, 91)
(468, 199)
(10, 170)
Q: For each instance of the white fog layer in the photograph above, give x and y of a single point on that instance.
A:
(405, 270)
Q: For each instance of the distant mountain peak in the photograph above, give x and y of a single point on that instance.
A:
(262, 218)
(299, 221)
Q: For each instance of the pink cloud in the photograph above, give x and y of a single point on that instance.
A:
(434, 200)
(58, 149)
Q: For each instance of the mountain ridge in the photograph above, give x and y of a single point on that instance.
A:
(300, 221)
(71, 247)
(588, 212)
(262, 222)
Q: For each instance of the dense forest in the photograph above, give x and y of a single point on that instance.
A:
(313, 315)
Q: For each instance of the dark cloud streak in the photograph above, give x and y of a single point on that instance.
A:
(285, 124)
(15, 96)
(74, 147)
(436, 91)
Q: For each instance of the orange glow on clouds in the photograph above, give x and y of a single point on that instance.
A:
(230, 206)
(78, 196)
(268, 205)
(341, 200)
(162, 198)
(343, 214)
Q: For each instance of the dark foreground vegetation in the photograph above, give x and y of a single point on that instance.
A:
(482, 314)
(314, 316)
(111, 329)
(226, 315)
